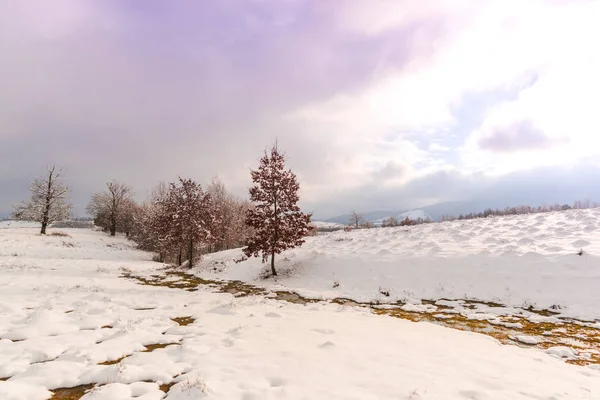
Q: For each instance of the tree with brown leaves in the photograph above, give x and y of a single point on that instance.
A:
(49, 201)
(278, 222)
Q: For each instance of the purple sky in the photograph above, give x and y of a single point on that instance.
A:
(379, 105)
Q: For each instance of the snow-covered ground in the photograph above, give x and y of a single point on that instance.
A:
(518, 261)
(65, 310)
(18, 224)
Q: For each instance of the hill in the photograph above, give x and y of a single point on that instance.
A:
(547, 261)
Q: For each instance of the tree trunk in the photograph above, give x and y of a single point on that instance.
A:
(191, 252)
(179, 257)
(44, 225)
(273, 264)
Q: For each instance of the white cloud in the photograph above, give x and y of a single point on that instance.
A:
(561, 104)
(500, 46)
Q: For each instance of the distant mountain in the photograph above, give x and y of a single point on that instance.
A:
(412, 214)
(435, 211)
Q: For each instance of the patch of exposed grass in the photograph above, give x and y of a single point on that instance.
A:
(167, 386)
(74, 393)
(106, 327)
(183, 321)
(113, 362)
(59, 234)
(588, 337)
(151, 347)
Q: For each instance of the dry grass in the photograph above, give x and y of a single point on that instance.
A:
(550, 334)
(74, 393)
(151, 347)
(60, 234)
(166, 387)
(183, 321)
(113, 362)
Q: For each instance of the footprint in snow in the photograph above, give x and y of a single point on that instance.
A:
(474, 395)
(580, 243)
(327, 345)
(272, 315)
(324, 331)
(276, 382)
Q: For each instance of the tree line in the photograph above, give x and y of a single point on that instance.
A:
(520, 210)
(181, 220)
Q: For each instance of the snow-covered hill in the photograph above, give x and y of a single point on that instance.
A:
(520, 261)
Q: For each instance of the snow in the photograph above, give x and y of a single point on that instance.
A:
(562, 352)
(517, 261)
(71, 310)
(527, 339)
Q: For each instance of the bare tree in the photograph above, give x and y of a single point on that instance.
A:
(390, 222)
(151, 223)
(356, 219)
(230, 229)
(278, 221)
(49, 200)
(108, 208)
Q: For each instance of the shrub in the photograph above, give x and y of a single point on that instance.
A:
(60, 234)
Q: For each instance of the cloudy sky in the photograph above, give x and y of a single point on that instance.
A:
(379, 104)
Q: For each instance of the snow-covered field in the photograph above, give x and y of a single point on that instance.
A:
(65, 311)
(518, 261)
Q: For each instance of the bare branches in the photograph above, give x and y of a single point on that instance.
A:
(49, 200)
(109, 208)
(356, 219)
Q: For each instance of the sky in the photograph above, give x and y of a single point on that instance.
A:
(380, 104)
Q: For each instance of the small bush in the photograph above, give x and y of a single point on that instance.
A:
(239, 260)
(60, 234)
(384, 291)
(336, 284)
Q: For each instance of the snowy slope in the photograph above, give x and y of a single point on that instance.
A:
(64, 310)
(521, 261)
